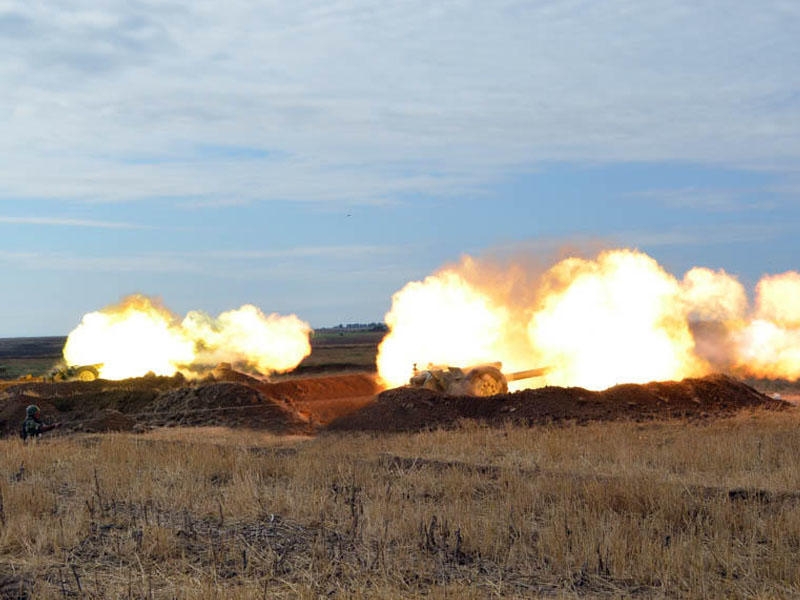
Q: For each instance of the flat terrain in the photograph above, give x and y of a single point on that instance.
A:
(34, 356)
(318, 484)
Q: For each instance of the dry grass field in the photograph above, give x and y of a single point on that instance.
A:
(701, 508)
(668, 509)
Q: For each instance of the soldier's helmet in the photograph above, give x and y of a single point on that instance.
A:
(31, 410)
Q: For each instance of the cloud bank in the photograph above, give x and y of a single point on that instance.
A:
(364, 102)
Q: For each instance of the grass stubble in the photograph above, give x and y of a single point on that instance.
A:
(658, 509)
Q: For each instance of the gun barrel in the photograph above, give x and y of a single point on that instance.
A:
(530, 373)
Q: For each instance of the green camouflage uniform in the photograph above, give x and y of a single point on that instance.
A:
(31, 427)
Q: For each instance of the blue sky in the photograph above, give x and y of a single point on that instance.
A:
(311, 158)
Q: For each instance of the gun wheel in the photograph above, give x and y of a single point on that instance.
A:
(487, 381)
(86, 374)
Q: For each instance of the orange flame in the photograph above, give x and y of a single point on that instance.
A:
(619, 318)
(138, 336)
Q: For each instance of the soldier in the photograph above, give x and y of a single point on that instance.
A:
(32, 426)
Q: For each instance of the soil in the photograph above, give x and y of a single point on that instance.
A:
(352, 402)
(412, 409)
(228, 398)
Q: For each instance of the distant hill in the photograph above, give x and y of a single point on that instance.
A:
(374, 327)
(32, 347)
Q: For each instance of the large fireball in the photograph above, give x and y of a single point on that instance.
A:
(617, 318)
(442, 320)
(769, 346)
(138, 336)
(130, 339)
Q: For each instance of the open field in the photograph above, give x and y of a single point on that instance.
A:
(29, 356)
(685, 491)
(671, 509)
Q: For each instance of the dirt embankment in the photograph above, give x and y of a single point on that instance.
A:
(350, 402)
(292, 406)
(411, 409)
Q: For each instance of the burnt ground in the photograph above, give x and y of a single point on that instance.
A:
(352, 402)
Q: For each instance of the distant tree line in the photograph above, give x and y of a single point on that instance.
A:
(362, 327)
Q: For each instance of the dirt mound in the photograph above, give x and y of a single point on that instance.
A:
(224, 403)
(320, 400)
(12, 412)
(310, 389)
(144, 402)
(349, 402)
(109, 419)
(414, 409)
(225, 372)
(78, 403)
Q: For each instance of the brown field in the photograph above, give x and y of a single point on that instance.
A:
(691, 491)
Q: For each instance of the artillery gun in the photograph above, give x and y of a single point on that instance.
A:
(480, 380)
(60, 372)
(63, 372)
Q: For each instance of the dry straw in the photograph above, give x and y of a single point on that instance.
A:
(668, 509)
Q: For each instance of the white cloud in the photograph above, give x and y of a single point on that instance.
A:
(332, 252)
(358, 100)
(709, 199)
(66, 222)
(704, 236)
(68, 262)
(218, 263)
(556, 247)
